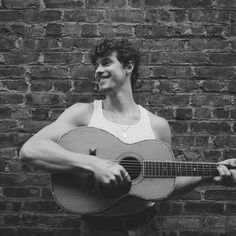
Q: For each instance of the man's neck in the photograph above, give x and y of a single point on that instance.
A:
(119, 103)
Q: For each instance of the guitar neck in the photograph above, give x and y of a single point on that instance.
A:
(153, 169)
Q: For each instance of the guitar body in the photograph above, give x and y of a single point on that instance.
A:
(78, 192)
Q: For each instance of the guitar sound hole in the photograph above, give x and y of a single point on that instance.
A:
(132, 166)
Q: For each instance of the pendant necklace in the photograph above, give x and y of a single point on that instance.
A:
(123, 129)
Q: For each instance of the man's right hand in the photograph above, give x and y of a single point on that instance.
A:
(111, 176)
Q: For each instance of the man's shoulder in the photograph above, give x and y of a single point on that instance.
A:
(78, 114)
(160, 127)
(157, 120)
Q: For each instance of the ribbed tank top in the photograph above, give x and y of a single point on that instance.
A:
(140, 131)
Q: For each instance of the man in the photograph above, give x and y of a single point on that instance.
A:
(116, 70)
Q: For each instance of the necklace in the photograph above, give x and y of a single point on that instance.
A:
(122, 128)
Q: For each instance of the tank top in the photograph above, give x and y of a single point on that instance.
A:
(140, 131)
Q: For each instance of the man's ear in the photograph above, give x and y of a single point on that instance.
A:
(130, 66)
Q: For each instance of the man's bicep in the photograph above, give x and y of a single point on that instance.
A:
(53, 131)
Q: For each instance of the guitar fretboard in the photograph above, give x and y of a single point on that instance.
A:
(172, 169)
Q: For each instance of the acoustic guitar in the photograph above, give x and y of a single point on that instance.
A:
(150, 164)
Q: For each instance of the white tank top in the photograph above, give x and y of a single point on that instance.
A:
(133, 133)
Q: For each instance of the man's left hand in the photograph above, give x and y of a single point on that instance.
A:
(227, 175)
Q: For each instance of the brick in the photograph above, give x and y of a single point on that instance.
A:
(163, 44)
(5, 112)
(36, 231)
(186, 57)
(40, 206)
(42, 99)
(124, 30)
(212, 85)
(204, 207)
(158, 57)
(178, 127)
(61, 221)
(63, 3)
(7, 126)
(18, 4)
(42, 16)
(11, 219)
(210, 100)
(154, 3)
(215, 30)
(11, 15)
(199, 233)
(106, 31)
(40, 44)
(40, 113)
(16, 58)
(131, 16)
(142, 30)
(183, 141)
(157, 15)
(179, 15)
(225, 3)
(212, 16)
(91, 16)
(54, 29)
(85, 44)
(225, 221)
(201, 44)
(172, 71)
(17, 85)
(212, 155)
(10, 206)
(221, 113)
(71, 29)
(7, 43)
(222, 58)
(202, 113)
(75, 98)
(214, 72)
(190, 3)
(184, 114)
(181, 221)
(134, 3)
(89, 31)
(40, 86)
(229, 153)
(84, 86)
(179, 85)
(50, 72)
(63, 58)
(11, 71)
(8, 231)
(210, 127)
(11, 98)
(159, 31)
(225, 141)
(83, 72)
(62, 86)
(106, 4)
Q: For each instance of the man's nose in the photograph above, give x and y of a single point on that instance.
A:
(99, 71)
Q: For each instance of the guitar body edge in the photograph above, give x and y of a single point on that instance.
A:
(78, 192)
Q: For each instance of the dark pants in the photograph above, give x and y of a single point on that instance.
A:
(141, 224)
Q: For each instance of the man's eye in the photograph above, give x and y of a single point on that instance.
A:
(106, 63)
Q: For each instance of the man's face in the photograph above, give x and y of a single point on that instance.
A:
(110, 73)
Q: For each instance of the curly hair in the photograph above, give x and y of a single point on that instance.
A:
(125, 53)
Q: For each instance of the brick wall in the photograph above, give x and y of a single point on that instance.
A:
(187, 76)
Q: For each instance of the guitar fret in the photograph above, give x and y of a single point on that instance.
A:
(154, 169)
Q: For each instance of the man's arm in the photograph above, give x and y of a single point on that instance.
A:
(186, 184)
(43, 152)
